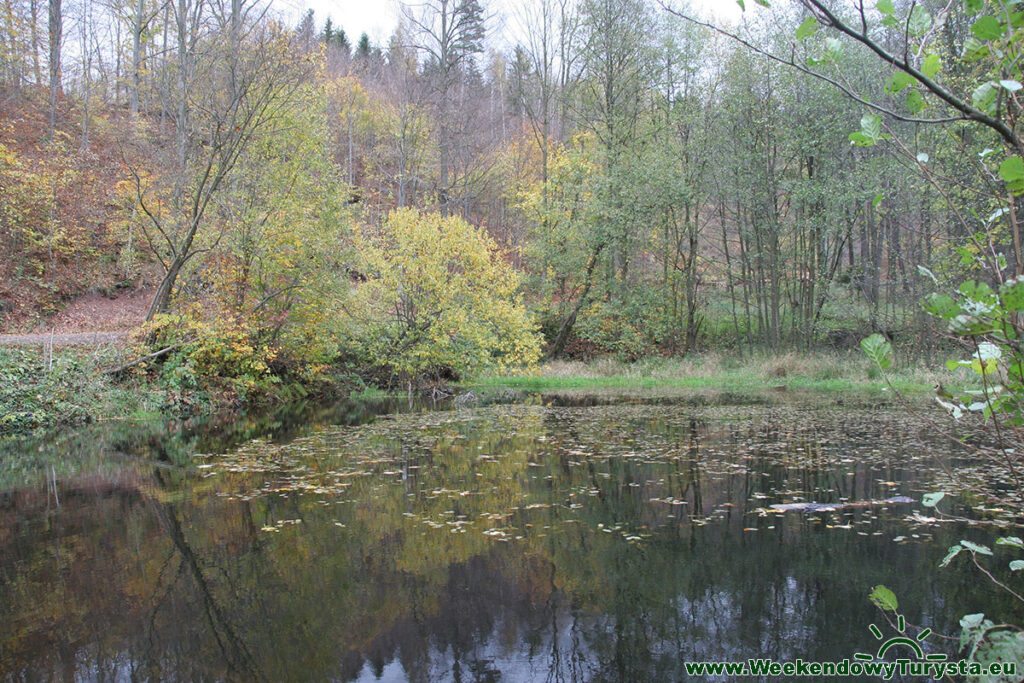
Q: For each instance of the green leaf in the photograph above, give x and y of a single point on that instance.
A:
(993, 645)
(1011, 86)
(915, 102)
(1012, 541)
(861, 140)
(930, 500)
(984, 97)
(921, 269)
(970, 621)
(974, 547)
(807, 29)
(974, 6)
(871, 125)
(968, 254)
(922, 158)
(878, 349)
(1011, 294)
(742, 6)
(1012, 172)
(898, 81)
(931, 66)
(978, 291)
(885, 7)
(1016, 565)
(974, 50)
(953, 552)
(984, 368)
(763, 3)
(884, 598)
(988, 28)
(941, 306)
(877, 200)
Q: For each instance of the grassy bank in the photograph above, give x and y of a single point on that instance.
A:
(819, 372)
(37, 392)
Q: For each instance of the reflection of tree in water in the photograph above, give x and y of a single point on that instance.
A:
(236, 654)
(180, 579)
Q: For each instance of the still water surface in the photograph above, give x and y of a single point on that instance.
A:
(545, 540)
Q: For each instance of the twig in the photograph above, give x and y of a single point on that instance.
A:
(974, 557)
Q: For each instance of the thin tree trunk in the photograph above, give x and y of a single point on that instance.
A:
(137, 29)
(563, 333)
(56, 34)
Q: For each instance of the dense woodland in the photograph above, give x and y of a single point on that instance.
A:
(586, 177)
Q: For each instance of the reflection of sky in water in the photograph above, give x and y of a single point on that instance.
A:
(520, 542)
(492, 658)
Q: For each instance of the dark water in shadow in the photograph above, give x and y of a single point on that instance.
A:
(527, 542)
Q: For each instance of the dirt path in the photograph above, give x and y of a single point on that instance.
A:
(66, 339)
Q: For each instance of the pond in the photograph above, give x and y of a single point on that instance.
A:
(549, 538)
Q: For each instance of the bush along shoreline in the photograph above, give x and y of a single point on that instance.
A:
(77, 387)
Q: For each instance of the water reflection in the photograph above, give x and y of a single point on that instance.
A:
(524, 542)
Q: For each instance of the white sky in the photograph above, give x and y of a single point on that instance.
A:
(378, 18)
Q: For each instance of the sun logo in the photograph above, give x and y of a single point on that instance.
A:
(900, 640)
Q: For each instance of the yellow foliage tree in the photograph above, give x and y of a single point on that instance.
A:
(438, 297)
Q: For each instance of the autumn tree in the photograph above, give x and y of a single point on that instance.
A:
(280, 270)
(230, 85)
(565, 246)
(437, 297)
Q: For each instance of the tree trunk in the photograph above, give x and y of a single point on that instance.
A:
(137, 29)
(161, 302)
(56, 31)
(563, 333)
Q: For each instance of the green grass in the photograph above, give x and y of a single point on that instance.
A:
(370, 393)
(834, 373)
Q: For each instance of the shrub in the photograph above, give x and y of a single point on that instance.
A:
(438, 299)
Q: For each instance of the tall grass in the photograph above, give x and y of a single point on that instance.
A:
(827, 371)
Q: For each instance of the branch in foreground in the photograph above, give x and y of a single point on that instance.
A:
(790, 62)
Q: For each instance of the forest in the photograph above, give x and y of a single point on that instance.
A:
(623, 179)
(580, 179)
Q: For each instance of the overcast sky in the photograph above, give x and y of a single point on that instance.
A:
(378, 18)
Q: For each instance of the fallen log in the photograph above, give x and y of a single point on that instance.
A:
(156, 354)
